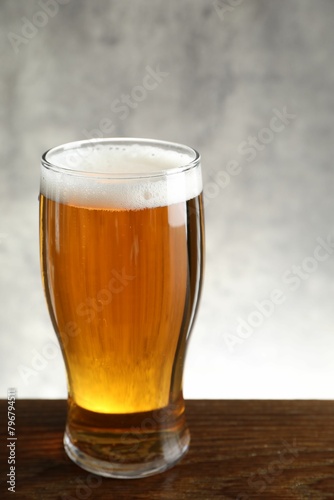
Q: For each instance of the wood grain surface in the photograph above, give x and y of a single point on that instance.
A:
(239, 450)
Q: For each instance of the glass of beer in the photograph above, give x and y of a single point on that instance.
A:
(122, 250)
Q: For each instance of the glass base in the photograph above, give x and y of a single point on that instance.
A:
(166, 452)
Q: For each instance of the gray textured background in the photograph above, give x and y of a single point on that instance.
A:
(227, 71)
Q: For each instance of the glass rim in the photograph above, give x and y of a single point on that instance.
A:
(159, 144)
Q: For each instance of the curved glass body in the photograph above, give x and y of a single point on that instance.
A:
(122, 246)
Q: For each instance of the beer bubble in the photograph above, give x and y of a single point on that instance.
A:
(147, 195)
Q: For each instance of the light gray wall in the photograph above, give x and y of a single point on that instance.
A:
(229, 70)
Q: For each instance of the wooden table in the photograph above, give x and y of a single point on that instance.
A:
(239, 450)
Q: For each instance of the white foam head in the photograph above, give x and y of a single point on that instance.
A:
(121, 174)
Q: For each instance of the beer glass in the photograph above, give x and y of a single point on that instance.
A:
(122, 248)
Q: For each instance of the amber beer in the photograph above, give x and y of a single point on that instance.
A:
(121, 231)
